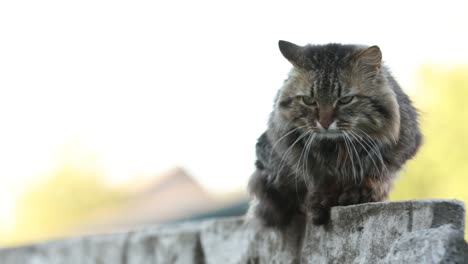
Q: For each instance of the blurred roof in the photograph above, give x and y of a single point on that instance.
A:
(171, 196)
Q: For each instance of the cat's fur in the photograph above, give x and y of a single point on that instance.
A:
(302, 166)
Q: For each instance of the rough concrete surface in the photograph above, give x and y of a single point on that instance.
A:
(417, 231)
(365, 233)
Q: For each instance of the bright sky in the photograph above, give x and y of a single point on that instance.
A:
(145, 85)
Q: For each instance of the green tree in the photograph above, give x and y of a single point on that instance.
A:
(61, 202)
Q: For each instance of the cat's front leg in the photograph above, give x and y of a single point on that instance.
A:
(320, 199)
(274, 205)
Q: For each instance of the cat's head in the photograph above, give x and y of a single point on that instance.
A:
(334, 88)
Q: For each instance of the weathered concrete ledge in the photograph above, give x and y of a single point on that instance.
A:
(417, 231)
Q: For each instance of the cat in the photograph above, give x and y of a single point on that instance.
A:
(340, 131)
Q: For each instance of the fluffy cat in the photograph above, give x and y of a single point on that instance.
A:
(340, 130)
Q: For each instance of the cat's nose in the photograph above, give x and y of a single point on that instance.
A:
(325, 118)
(325, 124)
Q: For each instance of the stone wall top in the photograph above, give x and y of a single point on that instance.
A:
(415, 231)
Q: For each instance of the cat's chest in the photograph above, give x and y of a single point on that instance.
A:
(328, 151)
(329, 157)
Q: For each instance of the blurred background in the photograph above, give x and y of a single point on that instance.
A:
(120, 114)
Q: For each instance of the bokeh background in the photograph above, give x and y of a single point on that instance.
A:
(120, 114)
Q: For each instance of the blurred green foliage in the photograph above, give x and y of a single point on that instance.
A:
(60, 202)
(440, 169)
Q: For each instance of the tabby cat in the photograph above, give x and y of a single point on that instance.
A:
(340, 130)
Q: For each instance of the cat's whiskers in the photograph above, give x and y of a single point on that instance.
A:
(305, 154)
(283, 137)
(359, 139)
(361, 169)
(311, 133)
(308, 151)
(368, 140)
(286, 154)
(297, 169)
(350, 155)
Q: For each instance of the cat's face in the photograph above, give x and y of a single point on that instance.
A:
(334, 90)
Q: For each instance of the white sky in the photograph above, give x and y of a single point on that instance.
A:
(145, 85)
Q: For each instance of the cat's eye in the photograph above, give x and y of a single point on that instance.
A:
(346, 100)
(308, 100)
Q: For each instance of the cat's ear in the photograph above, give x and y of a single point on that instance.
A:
(292, 52)
(369, 58)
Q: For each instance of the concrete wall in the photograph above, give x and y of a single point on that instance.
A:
(419, 231)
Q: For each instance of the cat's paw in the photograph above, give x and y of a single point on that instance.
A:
(320, 215)
(319, 206)
(354, 195)
(371, 190)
